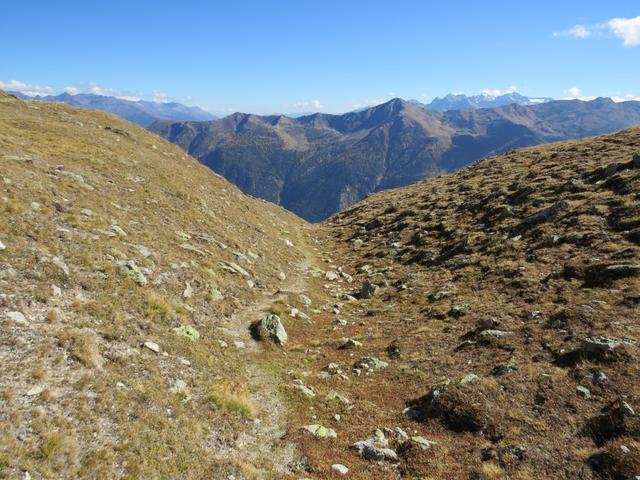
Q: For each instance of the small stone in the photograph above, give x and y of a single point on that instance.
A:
(154, 347)
(180, 388)
(368, 290)
(282, 276)
(239, 344)
(340, 322)
(333, 395)
(370, 363)
(36, 390)
(188, 291)
(130, 268)
(459, 309)
(583, 392)
(468, 378)
(86, 212)
(35, 206)
(17, 317)
(495, 333)
(56, 291)
(347, 343)
(627, 409)
(339, 468)
(118, 230)
(57, 261)
(288, 243)
(2, 246)
(423, 442)
(187, 331)
(599, 379)
(320, 431)
(367, 450)
(306, 301)
(332, 275)
(306, 391)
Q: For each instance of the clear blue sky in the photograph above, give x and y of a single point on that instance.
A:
(287, 56)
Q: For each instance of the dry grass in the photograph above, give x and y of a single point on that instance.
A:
(232, 398)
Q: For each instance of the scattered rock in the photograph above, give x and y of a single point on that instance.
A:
(347, 343)
(583, 392)
(34, 391)
(601, 346)
(601, 275)
(332, 275)
(2, 246)
(306, 391)
(617, 419)
(180, 388)
(339, 468)
(187, 331)
(368, 290)
(368, 450)
(320, 431)
(271, 327)
(233, 268)
(17, 318)
(134, 272)
(118, 230)
(423, 442)
(154, 347)
(306, 301)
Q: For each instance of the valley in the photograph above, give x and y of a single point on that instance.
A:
(320, 164)
(158, 323)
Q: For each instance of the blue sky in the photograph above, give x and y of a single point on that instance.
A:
(333, 56)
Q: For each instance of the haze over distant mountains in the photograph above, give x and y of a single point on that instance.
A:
(460, 101)
(319, 164)
(142, 112)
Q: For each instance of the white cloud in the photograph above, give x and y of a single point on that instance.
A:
(72, 90)
(577, 31)
(628, 29)
(27, 89)
(573, 92)
(498, 92)
(308, 105)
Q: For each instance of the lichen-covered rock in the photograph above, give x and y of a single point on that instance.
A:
(187, 331)
(271, 327)
(320, 431)
(129, 268)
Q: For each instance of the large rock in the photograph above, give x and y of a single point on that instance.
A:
(271, 327)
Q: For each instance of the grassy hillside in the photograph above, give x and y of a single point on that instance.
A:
(508, 309)
(112, 237)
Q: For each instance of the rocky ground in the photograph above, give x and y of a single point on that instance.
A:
(158, 324)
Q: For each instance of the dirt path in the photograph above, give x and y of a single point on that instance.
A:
(262, 443)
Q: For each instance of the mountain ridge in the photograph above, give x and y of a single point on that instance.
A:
(141, 112)
(318, 164)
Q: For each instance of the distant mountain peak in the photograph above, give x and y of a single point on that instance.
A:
(142, 112)
(461, 101)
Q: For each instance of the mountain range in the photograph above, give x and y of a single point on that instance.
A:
(142, 112)
(319, 164)
(460, 101)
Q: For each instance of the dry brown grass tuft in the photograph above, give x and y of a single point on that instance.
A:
(231, 397)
